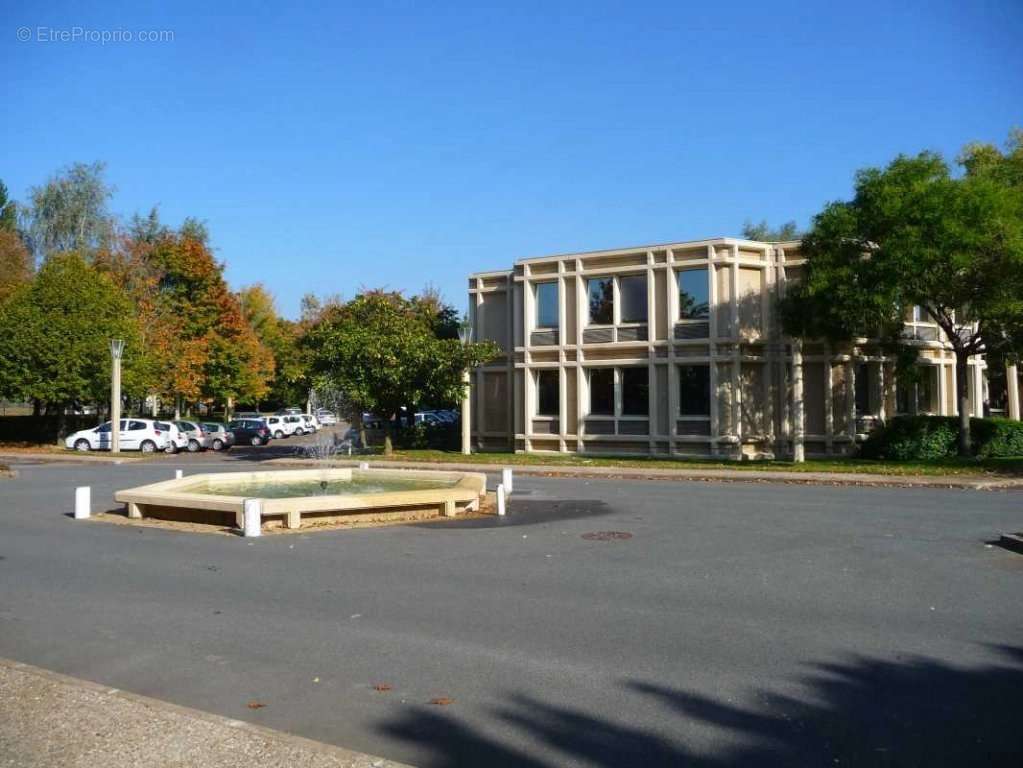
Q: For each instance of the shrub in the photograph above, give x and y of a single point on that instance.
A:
(906, 438)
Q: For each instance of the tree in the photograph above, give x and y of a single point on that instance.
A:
(763, 232)
(15, 263)
(8, 211)
(381, 350)
(69, 212)
(290, 381)
(55, 336)
(914, 235)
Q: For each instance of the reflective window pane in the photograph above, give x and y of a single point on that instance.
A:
(693, 294)
(635, 392)
(547, 305)
(694, 390)
(602, 391)
(548, 402)
(632, 290)
(601, 296)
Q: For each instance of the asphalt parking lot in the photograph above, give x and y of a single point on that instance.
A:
(737, 624)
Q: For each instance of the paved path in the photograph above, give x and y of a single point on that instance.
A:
(741, 624)
(54, 721)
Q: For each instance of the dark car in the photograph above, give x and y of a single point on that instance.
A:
(250, 431)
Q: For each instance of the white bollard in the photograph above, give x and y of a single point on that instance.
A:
(500, 500)
(506, 480)
(178, 474)
(363, 465)
(83, 502)
(253, 517)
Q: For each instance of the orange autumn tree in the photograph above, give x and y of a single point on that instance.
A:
(199, 343)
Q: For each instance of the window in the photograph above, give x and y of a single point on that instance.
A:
(635, 392)
(103, 428)
(602, 391)
(548, 387)
(862, 388)
(927, 390)
(693, 294)
(601, 297)
(632, 290)
(136, 426)
(547, 305)
(694, 390)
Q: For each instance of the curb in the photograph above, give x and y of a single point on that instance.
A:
(706, 475)
(14, 458)
(299, 742)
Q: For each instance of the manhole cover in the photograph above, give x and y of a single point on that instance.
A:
(606, 535)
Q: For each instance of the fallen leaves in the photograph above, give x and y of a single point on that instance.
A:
(382, 687)
(255, 705)
(442, 701)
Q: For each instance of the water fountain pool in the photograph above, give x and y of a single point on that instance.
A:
(340, 493)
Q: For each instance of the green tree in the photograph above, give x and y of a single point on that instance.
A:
(915, 235)
(8, 211)
(55, 336)
(69, 212)
(381, 350)
(765, 233)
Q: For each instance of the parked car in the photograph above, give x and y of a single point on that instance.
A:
(251, 431)
(281, 426)
(143, 435)
(428, 417)
(220, 437)
(326, 418)
(248, 415)
(177, 440)
(311, 424)
(197, 438)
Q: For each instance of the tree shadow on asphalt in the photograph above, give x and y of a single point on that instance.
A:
(526, 511)
(860, 712)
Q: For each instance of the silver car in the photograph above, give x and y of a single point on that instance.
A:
(220, 437)
(197, 437)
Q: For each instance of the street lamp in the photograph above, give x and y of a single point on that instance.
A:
(465, 336)
(116, 350)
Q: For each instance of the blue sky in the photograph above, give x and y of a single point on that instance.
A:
(334, 146)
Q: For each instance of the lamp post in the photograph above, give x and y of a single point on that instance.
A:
(465, 336)
(116, 350)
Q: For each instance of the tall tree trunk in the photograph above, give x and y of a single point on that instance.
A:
(177, 407)
(963, 398)
(37, 407)
(388, 446)
(360, 426)
(61, 424)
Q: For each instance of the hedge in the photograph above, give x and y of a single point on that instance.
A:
(40, 429)
(937, 437)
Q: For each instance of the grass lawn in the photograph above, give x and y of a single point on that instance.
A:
(1012, 466)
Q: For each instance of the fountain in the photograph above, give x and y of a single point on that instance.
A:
(337, 494)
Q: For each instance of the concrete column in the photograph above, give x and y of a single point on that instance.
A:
(978, 387)
(466, 415)
(798, 410)
(850, 397)
(1012, 384)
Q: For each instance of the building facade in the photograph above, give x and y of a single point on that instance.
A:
(676, 350)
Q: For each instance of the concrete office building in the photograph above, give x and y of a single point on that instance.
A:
(676, 350)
